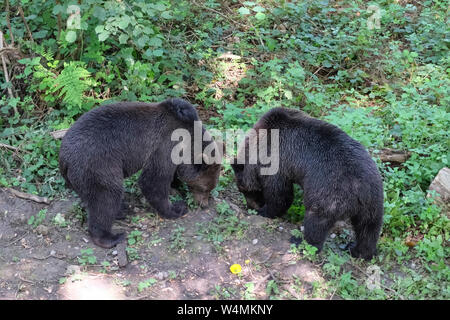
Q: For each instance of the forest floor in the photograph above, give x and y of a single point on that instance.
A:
(46, 253)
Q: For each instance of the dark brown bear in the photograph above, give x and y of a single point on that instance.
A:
(338, 177)
(112, 142)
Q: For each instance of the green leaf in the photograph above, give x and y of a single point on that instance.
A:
(243, 11)
(260, 16)
(142, 41)
(57, 9)
(124, 22)
(103, 36)
(123, 38)
(258, 9)
(158, 53)
(71, 36)
(99, 29)
(155, 42)
(166, 15)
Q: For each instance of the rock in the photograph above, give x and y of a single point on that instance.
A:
(441, 184)
(72, 269)
(122, 254)
(255, 241)
(41, 229)
(161, 275)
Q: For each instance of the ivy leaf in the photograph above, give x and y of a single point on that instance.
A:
(142, 41)
(124, 22)
(155, 42)
(166, 15)
(123, 38)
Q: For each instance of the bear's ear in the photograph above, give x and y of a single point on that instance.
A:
(237, 167)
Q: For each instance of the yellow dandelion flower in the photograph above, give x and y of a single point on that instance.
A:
(236, 268)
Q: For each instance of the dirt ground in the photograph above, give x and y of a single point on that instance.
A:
(187, 258)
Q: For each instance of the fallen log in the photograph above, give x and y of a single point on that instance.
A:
(391, 155)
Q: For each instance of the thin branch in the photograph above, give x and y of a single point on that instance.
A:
(5, 71)
(25, 23)
(8, 23)
(7, 146)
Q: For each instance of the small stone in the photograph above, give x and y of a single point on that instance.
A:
(72, 269)
(161, 275)
(280, 228)
(255, 241)
(302, 228)
(114, 253)
(441, 185)
(52, 253)
(41, 229)
(333, 235)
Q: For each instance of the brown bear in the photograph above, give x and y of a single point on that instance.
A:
(112, 142)
(338, 177)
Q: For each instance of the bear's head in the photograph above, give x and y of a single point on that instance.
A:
(249, 184)
(202, 178)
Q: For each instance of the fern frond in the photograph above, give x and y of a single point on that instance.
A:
(72, 82)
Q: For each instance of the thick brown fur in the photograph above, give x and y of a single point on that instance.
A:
(339, 179)
(112, 142)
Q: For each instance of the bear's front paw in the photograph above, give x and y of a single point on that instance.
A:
(264, 212)
(108, 240)
(298, 239)
(351, 248)
(177, 209)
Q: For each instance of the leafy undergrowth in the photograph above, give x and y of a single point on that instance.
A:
(387, 87)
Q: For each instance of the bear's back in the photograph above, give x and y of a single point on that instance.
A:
(321, 153)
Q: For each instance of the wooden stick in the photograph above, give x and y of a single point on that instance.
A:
(7, 146)
(28, 196)
(5, 70)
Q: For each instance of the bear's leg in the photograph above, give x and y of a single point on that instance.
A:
(124, 210)
(103, 207)
(317, 228)
(367, 232)
(155, 185)
(278, 196)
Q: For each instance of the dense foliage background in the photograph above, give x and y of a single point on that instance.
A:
(387, 87)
